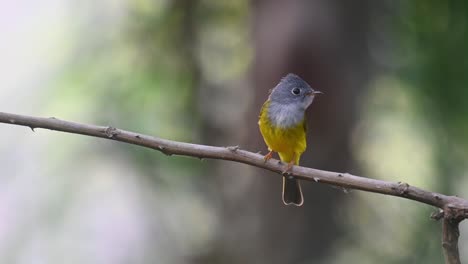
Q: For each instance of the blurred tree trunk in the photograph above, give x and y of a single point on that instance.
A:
(325, 42)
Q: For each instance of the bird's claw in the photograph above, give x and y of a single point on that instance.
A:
(268, 156)
(288, 168)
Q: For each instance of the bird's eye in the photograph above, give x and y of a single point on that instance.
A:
(296, 91)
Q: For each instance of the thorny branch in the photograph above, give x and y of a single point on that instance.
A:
(453, 209)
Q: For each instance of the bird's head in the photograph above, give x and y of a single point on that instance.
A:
(292, 90)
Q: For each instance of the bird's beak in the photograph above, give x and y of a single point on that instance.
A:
(314, 93)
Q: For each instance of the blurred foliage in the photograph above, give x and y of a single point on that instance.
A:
(391, 143)
(433, 35)
(134, 74)
(142, 72)
(413, 129)
(139, 65)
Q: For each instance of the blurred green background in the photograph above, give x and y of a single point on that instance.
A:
(394, 74)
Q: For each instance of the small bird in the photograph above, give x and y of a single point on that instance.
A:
(282, 124)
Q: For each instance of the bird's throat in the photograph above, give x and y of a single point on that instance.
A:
(285, 116)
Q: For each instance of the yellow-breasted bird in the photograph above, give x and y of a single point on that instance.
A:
(282, 123)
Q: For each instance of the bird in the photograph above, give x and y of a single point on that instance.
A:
(282, 123)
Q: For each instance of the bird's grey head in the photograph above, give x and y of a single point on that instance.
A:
(293, 91)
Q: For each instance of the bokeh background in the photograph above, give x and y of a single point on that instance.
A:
(394, 74)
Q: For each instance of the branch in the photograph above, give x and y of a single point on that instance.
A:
(450, 234)
(455, 209)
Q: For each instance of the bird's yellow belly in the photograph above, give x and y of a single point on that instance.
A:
(290, 142)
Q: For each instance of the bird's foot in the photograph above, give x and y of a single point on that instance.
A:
(268, 156)
(288, 168)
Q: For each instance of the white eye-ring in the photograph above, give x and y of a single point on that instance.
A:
(296, 91)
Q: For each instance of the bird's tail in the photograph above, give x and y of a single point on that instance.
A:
(292, 193)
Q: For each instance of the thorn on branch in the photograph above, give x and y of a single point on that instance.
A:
(233, 148)
(32, 128)
(111, 132)
(446, 245)
(340, 175)
(316, 179)
(341, 188)
(437, 215)
(137, 136)
(402, 188)
(164, 151)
